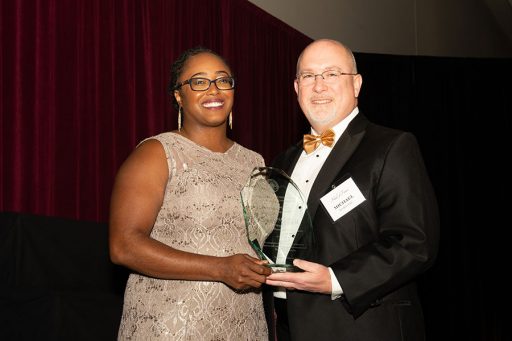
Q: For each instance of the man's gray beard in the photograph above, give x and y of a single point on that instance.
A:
(325, 120)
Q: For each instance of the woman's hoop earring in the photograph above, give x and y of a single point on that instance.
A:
(230, 120)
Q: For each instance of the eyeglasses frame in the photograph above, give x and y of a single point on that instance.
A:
(322, 75)
(206, 79)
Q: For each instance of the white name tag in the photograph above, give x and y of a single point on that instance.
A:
(342, 199)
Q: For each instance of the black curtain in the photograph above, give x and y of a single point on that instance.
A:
(460, 110)
(57, 281)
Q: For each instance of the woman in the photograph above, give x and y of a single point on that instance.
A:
(176, 220)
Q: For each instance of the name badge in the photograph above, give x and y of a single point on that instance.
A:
(342, 199)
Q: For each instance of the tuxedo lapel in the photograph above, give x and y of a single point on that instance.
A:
(289, 159)
(341, 152)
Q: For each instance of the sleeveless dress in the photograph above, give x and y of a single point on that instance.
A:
(201, 213)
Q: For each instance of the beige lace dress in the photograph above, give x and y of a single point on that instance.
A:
(201, 213)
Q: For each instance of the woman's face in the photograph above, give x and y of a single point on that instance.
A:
(207, 108)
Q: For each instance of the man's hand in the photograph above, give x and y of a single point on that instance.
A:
(315, 278)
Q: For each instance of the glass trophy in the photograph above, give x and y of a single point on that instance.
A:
(278, 223)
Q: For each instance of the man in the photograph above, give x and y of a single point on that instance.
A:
(373, 209)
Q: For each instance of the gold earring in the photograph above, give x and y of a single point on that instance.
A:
(179, 119)
(231, 120)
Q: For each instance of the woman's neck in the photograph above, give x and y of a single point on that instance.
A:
(214, 139)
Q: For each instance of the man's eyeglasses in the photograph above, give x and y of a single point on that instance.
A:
(329, 76)
(203, 84)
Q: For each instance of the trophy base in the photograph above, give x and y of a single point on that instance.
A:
(276, 268)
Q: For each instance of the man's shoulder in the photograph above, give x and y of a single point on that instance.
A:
(380, 131)
(383, 138)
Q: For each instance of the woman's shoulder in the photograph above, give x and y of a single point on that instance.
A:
(164, 137)
(168, 141)
(249, 154)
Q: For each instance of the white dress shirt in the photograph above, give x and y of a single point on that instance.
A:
(304, 174)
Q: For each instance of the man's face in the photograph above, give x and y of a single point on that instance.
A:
(327, 103)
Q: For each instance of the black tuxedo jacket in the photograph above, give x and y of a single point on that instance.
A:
(378, 248)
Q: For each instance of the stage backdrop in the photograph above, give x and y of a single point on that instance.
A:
(83, 81)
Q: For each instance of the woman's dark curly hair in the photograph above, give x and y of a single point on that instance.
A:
(177, 67)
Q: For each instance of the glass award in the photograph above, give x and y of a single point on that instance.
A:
(277, 220)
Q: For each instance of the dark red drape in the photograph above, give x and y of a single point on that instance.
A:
(84, 81)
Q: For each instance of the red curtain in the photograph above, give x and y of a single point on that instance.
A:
(83, 81)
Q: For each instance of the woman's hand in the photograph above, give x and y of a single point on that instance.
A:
(242, 271)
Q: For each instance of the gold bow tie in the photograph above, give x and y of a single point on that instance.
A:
(311, 142)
